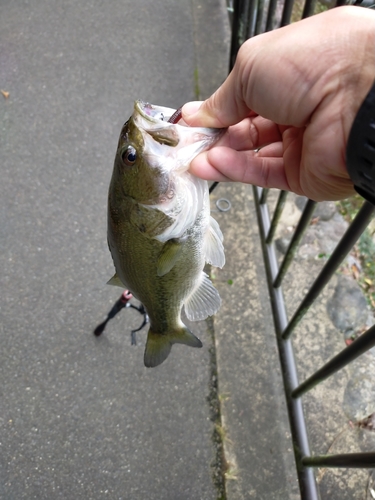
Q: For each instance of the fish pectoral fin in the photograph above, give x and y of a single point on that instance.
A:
(149, 221)
(158, 345)
(115, 281)
(204, 300)
(213, 245)
(169, 255)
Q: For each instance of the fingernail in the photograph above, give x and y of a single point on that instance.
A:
(190, 108)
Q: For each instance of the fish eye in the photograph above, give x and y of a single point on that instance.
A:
(129, 156)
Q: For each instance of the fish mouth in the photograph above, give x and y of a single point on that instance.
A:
(155, 119)
(170, 145)
(153, 113)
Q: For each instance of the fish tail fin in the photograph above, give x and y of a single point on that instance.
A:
(158, 346)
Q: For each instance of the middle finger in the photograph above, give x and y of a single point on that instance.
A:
(251, 133)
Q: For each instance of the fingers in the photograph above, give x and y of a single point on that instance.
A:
(234, 157)
(251, 133)
(224, 164)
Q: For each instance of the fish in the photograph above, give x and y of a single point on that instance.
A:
(160, 231)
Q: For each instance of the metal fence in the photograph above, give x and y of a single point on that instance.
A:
(250, 18)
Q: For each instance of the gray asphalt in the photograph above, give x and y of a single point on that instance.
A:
(80, 416)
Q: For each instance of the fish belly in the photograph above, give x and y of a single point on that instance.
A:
(136, 258)
(140, 266)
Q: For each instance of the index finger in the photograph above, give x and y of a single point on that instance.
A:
(251, 133)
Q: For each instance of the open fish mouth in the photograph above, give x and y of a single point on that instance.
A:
(167, 136)
(154, 113)
(161, 113)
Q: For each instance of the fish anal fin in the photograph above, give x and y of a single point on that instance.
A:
(159, 345)
(213, 244)
(115, 281)
(168, 256)
(204, 300)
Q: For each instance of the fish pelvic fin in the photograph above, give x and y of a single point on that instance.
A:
(213, 244)
(169, 255)
(159, 345)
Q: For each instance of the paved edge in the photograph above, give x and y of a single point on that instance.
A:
(255, 428)
(212, 56)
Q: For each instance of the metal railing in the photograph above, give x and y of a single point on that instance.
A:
(250, 18)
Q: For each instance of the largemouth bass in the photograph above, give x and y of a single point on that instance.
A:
(160, 232)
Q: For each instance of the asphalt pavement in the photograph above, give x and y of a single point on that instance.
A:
(80, 416)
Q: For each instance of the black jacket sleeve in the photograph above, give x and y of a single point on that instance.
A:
(360, 150)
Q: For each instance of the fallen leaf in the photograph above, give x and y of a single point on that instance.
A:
(5, 93)
(367, 423)
(355, 271)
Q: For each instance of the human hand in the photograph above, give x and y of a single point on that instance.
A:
(289, 103)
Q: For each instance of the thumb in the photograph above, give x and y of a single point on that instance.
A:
(201, 114)
(225, 107)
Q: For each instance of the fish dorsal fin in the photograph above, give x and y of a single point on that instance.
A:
(158, 345)
(213, 244)
(204, 301)
(168, 256)
(115, 281)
